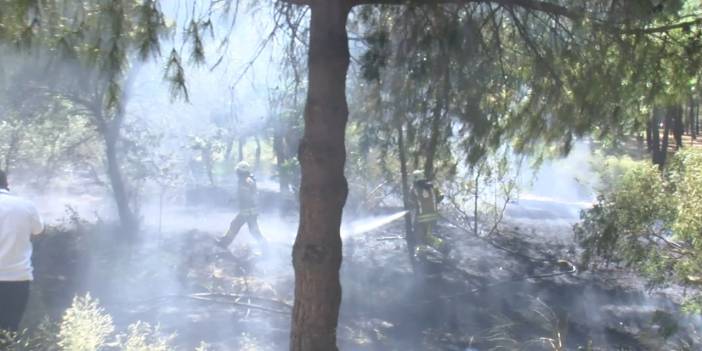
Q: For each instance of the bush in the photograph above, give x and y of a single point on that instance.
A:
(85, 326)
(649, 220)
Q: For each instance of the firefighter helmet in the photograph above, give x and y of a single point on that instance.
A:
(418, 175)
(243, 167)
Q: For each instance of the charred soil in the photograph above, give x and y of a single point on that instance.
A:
(516, 290)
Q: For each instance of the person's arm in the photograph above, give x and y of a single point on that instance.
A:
(439, 195)
(251, 184)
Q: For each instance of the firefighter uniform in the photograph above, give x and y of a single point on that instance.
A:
(248, 212)
(425, 198)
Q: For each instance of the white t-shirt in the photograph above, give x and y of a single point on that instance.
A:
(19, 220)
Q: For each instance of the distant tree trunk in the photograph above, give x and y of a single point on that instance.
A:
(697, 118)
(242, 143)
(228, 150)
(322, 155)
(649, 136)
(654, 129)
(476, 198)
(409, 234)
(111, 136)
(280, 156)
(420, 142)
(691, 118)
(208, 162)
(663, 152)
(257, 159)
(678, 126)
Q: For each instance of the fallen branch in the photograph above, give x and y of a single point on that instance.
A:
(239, 297)
(388, 238)
(234, 299)
(213, 298)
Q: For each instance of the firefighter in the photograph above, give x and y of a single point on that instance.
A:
(19, 223)
(248, 214)
(425, 198)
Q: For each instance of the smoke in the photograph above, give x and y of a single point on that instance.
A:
(553, 195)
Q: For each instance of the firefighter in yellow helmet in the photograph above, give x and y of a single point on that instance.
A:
(248, 213)
(424, 198)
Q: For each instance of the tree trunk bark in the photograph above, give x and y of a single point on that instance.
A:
(228, 150)
(654, 128)
(697, 118)
(242, 142)
(409, 234)
(691, 118)
(663, 155)
(678, 126)
(257, 159)
(126, 216)
(209, 163)
(283, 179)
(322, 155)
(476, 198)
(649, 139)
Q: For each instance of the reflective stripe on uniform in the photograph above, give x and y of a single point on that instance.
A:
(428, 217)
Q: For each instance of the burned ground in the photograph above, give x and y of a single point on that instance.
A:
(515, 290)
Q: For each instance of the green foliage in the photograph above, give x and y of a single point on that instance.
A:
(649, 220)
(141, 336)
(498, 74)
(85, 326)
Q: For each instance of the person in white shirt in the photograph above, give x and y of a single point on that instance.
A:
(19, 220)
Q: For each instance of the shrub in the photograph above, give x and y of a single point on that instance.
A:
(85, 326)
(648, 219)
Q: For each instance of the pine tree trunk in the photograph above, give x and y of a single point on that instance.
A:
(678, 126)
(663, 154)
(322, 154)
(691, 118)
(283, 178)
(228, 150)
(126, 216)
(409, 234)
(649, 140)
(697, 118)
(242, 143)
(257, 159)
(654, 127)
(476, 198)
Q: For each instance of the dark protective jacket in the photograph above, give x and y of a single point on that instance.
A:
(246, 192)
(425, 198)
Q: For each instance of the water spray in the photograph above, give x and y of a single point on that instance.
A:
(365, 225)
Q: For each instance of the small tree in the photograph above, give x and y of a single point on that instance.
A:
(649, 220)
